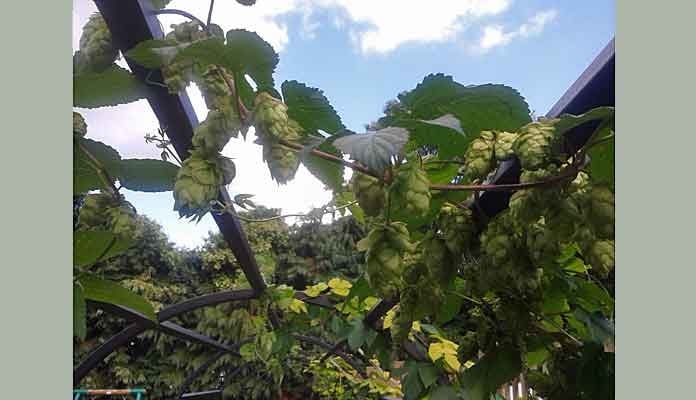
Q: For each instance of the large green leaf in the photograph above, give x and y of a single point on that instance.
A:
(498, 366)
(449, 142)
(79, 312)
(85, 177)
(155, 53)
(111, 87)
(602, 162)
(482, 107)
(357, 335)
(570, 121)
(428, 374)
(107, 157)
(310, 108)
(374, 149)
(412, 384)
(92, 246)
(445, 392)
(244, 53)
(328, 172)
(98, 289)
(148, 175)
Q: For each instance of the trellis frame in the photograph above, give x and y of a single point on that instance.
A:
(134, 21)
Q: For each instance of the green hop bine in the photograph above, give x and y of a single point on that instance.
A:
(123, 221)
(211, 135)
(385, 246)
(601, 257)
(503, 145)
(97, 51)
(410, 190)
(186, 32)
(479, 158)
(457, 227)
(271, 117)
(214, 84)
(79, 125)
(282, 162)
(535, 144)
(93, 210)
(602, 211)
(197, 185)
(369, 192)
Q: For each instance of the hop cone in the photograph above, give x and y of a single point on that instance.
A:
(601, 257)
(123, 221)
(79, 125)
(97, 51)
(369, 192)
(177, 76)
(213, 83)
(197, 184)
(602, 210)
(542, 243)
(535, 143)
(501, 247)
(479, 158)
(282, 162)
(271, 116)
(503, 145)
(457, 227)
(385, 245)
(410, 190)
(215, 131)
(440, 263)
(93, 210)
(186, 32)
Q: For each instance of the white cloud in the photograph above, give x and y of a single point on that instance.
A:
(382, 26)
(495, 35)
(373, 26)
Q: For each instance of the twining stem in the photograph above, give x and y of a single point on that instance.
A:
(294, 215)
(101, 171)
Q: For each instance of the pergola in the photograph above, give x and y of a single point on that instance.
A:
(134, 21)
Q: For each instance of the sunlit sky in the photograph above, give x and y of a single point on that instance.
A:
(362, 53)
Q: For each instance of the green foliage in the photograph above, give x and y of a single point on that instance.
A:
(94, 288)
(147, 175)
(374, 149)
(531, 289)
(310, 108)
(111, 87)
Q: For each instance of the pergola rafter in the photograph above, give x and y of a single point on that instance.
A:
(134, 21)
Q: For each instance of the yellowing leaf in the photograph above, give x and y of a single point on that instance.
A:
(440, 349)
(369, 302)
(416, 326)
(452, 363)
(298, 306)
(389, 319)
(315, 290)
(340, 287)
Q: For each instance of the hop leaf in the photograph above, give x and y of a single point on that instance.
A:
(316, 290)
(340, 287)
(374, 149)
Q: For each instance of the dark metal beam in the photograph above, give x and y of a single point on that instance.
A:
(134, 21)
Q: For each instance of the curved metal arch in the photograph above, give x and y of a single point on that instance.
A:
(141, 324)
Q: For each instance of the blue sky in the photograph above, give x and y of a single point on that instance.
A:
(362, 53)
